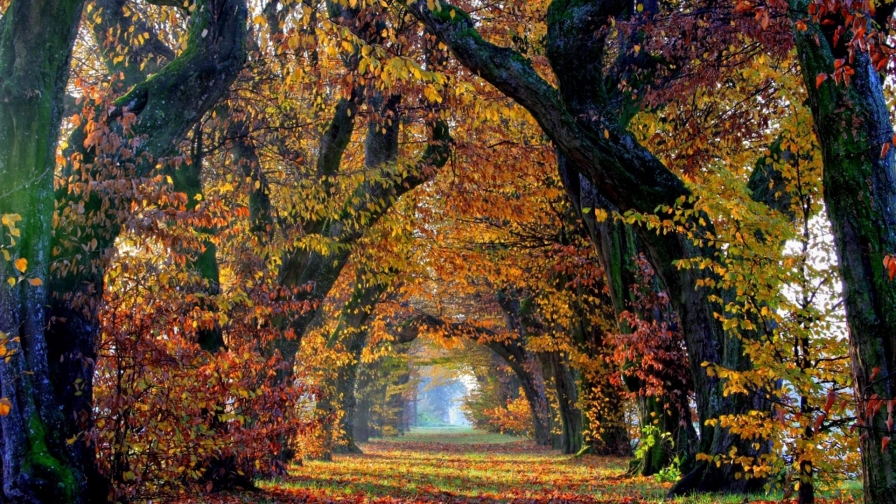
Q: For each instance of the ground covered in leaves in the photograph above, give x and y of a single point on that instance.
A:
(461, 465)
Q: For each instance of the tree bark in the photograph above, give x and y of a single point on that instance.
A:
(852, 123)
(166, 106)
(36, 39)
(564, 378)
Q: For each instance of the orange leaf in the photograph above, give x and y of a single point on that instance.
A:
(884, 442)
(821, 78)
(890, 264)
(5, 406)
(21, 264)
(884, 150)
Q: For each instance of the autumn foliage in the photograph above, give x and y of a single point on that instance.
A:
(236, 237)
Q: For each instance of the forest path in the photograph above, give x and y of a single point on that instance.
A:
(454, 465)
(461, 465)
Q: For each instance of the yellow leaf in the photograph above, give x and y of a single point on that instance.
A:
(5, 406)
(21, 264)
(10, 219)
(11, 281)
(6, 255)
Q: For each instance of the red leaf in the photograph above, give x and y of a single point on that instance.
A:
(884, 442)
(884, 150)
(830, 402)
(818, 421)
(821, 78)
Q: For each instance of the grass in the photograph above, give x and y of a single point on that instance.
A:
(455, 465)
(449, 435)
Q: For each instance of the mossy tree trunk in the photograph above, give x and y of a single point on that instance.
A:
(36, 39)
(165, 107)
(616, 245)
(852, 123)
(203, 261)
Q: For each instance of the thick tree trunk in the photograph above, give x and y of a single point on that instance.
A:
(36, 39)
(616, 245)
(350, 334)
(852, 123)
(572, 437)
(166, 106)
(525, 366)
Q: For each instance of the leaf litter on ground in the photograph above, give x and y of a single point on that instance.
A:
(455, 466)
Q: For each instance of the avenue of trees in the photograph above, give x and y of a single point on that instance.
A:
(236, 234)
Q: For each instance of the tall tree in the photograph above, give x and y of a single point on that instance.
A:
(148, 122)
(854, 129)
(36, 39)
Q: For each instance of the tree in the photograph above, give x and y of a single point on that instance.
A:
(123, 142)
(854, 130)
(36, 39)
(587, 121)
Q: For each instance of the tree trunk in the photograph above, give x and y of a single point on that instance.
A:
(380, 149)
(852, 123)
(36, 39)
(525, 366)
(351, 334)
(520, 362)
(166, 106)
(572, 437)
(361, 424)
